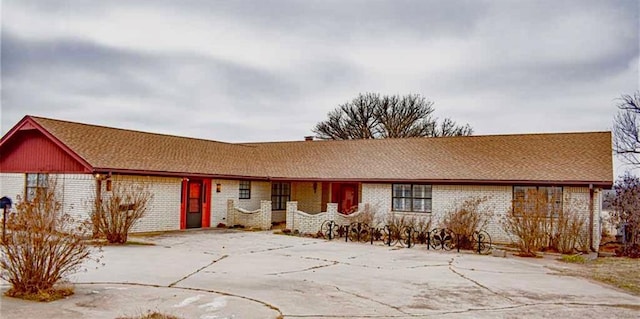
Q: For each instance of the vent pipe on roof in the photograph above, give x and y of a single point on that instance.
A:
(308, 138)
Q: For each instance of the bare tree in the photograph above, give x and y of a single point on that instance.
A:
(371, 115)
(626, 127)
(626, 211)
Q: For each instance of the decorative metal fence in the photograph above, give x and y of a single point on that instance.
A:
(407, 236)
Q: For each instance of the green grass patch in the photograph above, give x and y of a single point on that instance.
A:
(574, 259)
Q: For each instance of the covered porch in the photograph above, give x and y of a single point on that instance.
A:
(312, 197)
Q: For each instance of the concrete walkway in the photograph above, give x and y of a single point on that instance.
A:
(225, 274)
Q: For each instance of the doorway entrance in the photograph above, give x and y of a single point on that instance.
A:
(194, 207)
(346, 195)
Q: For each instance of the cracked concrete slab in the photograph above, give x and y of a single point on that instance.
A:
(236, 274)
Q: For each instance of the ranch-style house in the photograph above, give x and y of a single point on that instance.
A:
(199, 183)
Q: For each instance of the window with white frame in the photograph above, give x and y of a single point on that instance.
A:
(245, 190)
(36, 184)
(411, 198)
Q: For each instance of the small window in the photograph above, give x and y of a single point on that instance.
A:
(245, 190)
(36, 185)
(411, 198)
(280, 195)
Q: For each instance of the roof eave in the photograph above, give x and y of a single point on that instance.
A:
(601, 184)
(174, 174)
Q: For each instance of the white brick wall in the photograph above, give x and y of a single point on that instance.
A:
(378, 196)
(76, 192)
(228, 190)
(306, 223)
(576, 199)
(163, 210)
(12, 185)
(447, 197)
(258, 218)
(260, 191)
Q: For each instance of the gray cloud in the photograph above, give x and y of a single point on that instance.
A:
(269, 70)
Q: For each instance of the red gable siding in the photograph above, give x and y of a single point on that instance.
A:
(30, 151)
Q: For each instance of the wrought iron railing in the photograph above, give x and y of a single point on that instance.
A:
(407, 236)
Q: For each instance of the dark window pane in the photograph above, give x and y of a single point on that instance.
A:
(402, 190)
(245, 190)
(422, 191)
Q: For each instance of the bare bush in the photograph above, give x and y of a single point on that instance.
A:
(528, 222)
(568, 230)
(626, 213)
(397, 223)
(467, 217)
(42, 246)
(538, 221)
(365, 216)
(114, 215)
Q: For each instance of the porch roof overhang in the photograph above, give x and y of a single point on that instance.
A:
(600, 184)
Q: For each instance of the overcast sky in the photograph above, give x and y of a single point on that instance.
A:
(270, 70)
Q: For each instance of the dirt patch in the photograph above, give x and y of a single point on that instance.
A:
(620, 272)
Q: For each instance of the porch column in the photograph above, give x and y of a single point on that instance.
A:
(265, 214)
(332, 210)
(292, 207)
(231, 220)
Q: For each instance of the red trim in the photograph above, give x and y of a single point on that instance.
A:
(206, 205)
(28, 123)
(183, 204)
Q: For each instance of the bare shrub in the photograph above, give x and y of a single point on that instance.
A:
(398, 222)
(528, 222)
(467, 217)
(538, 221)
(114, 215)
(365, 216)
(626, 213)
(43, 245)
(568, 230)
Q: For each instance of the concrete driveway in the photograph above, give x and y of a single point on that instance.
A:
(227, 274)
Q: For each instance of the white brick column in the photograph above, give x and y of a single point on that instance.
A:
(332, 210)
(230, 213)
(265, 213)
(292, 207)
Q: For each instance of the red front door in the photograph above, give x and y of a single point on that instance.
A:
(346, 195)
(196, 204)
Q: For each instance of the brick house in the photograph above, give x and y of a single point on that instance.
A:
(201, 183)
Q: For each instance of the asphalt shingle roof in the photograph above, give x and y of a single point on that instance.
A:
(555, 157)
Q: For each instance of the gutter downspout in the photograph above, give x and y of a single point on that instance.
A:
(591, 217)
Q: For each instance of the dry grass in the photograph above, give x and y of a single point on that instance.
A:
(620, 272)
(42, 295)
(152, 315)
